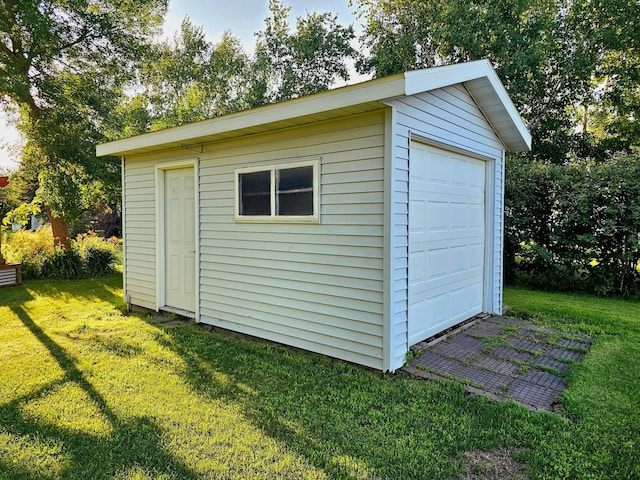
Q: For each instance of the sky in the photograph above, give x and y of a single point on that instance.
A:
(242, 17)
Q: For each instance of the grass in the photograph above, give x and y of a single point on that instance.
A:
(604, 389)
(87, 392)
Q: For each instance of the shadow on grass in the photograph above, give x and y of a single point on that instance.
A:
(346, 420)
(131, 443)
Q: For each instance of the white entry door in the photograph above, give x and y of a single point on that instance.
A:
(179, 239)
(446, 240)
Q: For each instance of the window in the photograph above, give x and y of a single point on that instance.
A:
(255, 196)
(287, 192)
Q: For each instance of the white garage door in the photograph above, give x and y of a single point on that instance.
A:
(446, 240)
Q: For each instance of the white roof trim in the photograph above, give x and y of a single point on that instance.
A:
(476, 76)
(487, 90)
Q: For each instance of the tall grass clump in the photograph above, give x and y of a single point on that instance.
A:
(98, 255)
(89, 255)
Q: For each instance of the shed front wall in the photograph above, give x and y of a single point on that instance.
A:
(444, 117)
(313, 286)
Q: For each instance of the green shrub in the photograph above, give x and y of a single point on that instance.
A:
(31, 249)
(574, 226)
(88, 256)
(65, 264)
(98, 255)
(24, 243)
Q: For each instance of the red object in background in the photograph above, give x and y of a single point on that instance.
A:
(4, 181)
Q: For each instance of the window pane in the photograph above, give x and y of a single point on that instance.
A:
(255, 193)
(295, 191)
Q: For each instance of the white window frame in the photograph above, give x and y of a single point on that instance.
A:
(273, 218)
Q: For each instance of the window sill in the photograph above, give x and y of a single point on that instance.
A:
(276, 219)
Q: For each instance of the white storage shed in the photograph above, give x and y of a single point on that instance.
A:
(354, 222)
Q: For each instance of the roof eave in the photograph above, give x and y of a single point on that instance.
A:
(370, 92)
(484, 85)
(478, 77)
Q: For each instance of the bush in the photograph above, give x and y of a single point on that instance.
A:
(65, 264)
(31, 249)
(574, 226)
(88, 256)
(98, 255)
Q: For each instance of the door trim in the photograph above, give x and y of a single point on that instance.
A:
(413, 137)
(160, 170)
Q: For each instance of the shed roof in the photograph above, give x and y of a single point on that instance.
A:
(478, 77)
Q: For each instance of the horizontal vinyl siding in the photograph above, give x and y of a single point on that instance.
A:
(498, 264)
(452, 118)
(446, 116)
(140, 232)
(313, 286)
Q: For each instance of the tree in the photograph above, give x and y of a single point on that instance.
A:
(553, 56)
(309, 60)
(191, 79)
(63, 64)
(610, 115)
(572, 69)
(574, 226)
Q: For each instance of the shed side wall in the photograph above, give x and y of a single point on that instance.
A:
(313, 286)
(446, 116)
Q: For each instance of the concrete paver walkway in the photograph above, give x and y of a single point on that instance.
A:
(504, 358)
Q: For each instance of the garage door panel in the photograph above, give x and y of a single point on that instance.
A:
(475, 175)
(436, 172)
(437, 262)
(446, 240)
(437, 286)
(476, 290)
(416, 260)
(438, 241)
(459, 262)
(475, 215)
(420, 208)
(458, 216)
(441, 311)
(475, 257)
(449, 191)
(459, 302)
(439, 308)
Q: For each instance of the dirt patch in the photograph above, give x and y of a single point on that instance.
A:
(496, 464)
(168, 320)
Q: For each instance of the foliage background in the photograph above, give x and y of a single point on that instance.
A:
(574, 226)
(88, 256)
(75, 74)
(573, 71)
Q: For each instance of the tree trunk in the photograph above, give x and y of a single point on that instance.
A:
(60, 229)
(585, 118)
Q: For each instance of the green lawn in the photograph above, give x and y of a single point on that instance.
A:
(89, 393)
